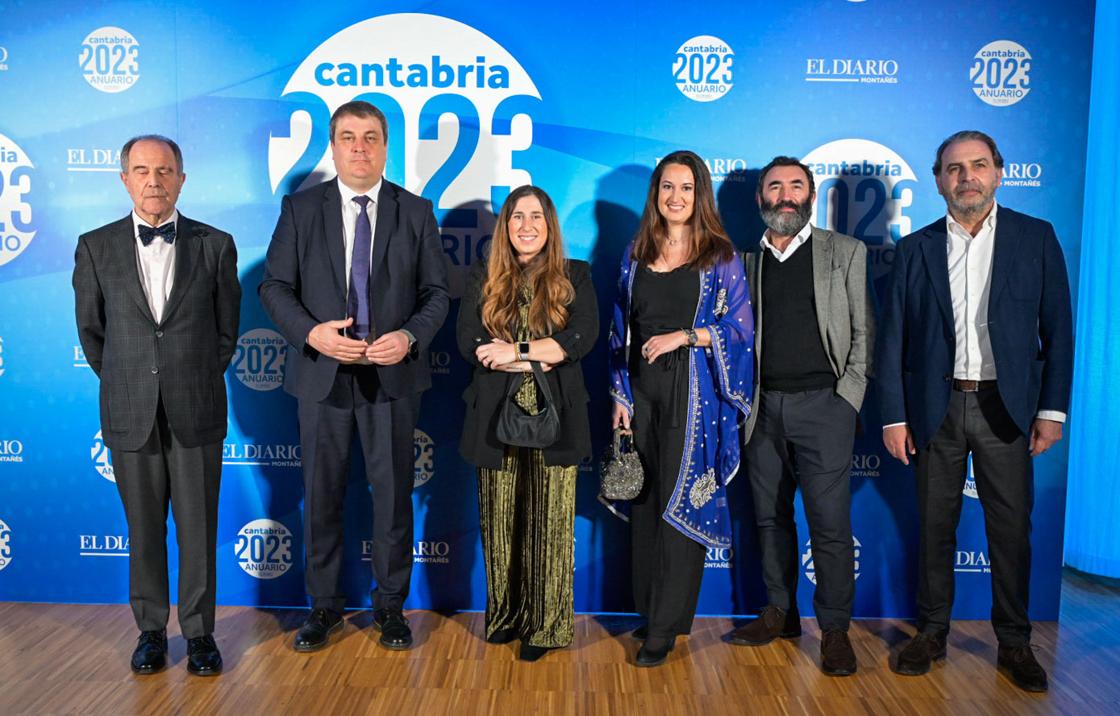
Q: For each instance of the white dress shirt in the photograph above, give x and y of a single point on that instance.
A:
(156, 264)
(350, 209)
(800, 238)
(970, 284)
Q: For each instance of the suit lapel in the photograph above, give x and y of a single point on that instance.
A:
(335, 239)
(937, 264)
(188, 242)
(386, 226)
(124, 255)
(1003, 254)
(822, 276)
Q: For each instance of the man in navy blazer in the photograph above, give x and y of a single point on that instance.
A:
(356, 281)
(975, 356)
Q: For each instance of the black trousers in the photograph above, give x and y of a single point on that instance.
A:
(805, 439)
(976, 423)
(666, 566)
(160, 473)
(326, 430)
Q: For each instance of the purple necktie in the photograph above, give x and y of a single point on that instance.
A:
(357, 300)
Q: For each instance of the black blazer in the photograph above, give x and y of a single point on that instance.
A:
(485, 395)
(304, 283)
(182, 357)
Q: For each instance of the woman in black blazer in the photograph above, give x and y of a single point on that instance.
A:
(525, 303)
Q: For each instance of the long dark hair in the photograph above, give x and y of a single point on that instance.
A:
(709, 242)
(546, 274)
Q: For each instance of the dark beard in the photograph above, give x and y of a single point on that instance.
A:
(784, 224)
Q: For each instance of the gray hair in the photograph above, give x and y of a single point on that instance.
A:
(151, 138)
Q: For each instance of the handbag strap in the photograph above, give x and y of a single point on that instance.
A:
(542, 382)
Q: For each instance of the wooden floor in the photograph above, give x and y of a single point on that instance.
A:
(57, 659)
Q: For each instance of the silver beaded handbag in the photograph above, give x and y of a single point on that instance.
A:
(621, 475)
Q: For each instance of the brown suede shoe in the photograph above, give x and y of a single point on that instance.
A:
(837, 656)
(1019, 664)
(914, 660)
(770, 624)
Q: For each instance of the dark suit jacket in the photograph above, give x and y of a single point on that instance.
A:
(182, 357)
(305, 283)
(1029, 318)
(487, 392)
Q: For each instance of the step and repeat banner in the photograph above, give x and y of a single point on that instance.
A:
(581, 99)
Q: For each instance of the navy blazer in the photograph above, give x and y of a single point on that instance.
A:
(1029, 318)
(304, 283)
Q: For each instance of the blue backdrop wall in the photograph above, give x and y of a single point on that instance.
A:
(579, 98)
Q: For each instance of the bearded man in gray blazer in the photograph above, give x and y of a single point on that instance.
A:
(157, 301)
(813, 338)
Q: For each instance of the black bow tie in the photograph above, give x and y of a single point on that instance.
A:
(165, 232)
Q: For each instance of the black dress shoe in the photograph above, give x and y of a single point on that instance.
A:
(316, 631)
(502, 636)
(655, 651)
(1019, 664)
(150, 654)
(915, 659)
(203, 657)
(837, 656)
(532, 653)
(772, 623)
(395, 633)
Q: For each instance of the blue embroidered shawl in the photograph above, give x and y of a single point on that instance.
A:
(721, 379)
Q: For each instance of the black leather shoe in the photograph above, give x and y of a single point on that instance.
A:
(203, 657)
(655, 651)
(316, 631)
(532, 653)
(772, 623)
(837, 656)
(395, 633)
(502, 636)
(914, 660)
(150, 654)
(1021, 667)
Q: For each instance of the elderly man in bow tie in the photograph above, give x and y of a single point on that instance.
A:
(157, 301)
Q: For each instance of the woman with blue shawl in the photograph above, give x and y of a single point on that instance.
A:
(681, 380)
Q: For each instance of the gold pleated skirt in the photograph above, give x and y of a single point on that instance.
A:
(527, 511)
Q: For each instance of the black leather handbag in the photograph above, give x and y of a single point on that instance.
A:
(517, 427)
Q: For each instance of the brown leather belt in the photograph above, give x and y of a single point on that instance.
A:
(972, 386)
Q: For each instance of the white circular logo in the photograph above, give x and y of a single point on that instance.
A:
(423, 450)
(863, 190)
(807, 559)
(5, 545)
(1000, 73)
(102, 460)
(16, 229)
(264, 549)
(110, 59)
(702, 68)
(258, 360)
(458, 103)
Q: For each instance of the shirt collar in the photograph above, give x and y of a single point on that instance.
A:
(137, 222)
(348, 194)
(989, 221)
(799, 238)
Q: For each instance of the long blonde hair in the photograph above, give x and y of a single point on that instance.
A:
(545, 275)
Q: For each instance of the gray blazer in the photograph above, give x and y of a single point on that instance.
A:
(182, 357)
(845, 316)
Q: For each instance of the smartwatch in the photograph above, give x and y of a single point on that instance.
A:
(523, 350)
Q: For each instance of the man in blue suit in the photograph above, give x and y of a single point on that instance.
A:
(356, 281)
(975, 356)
